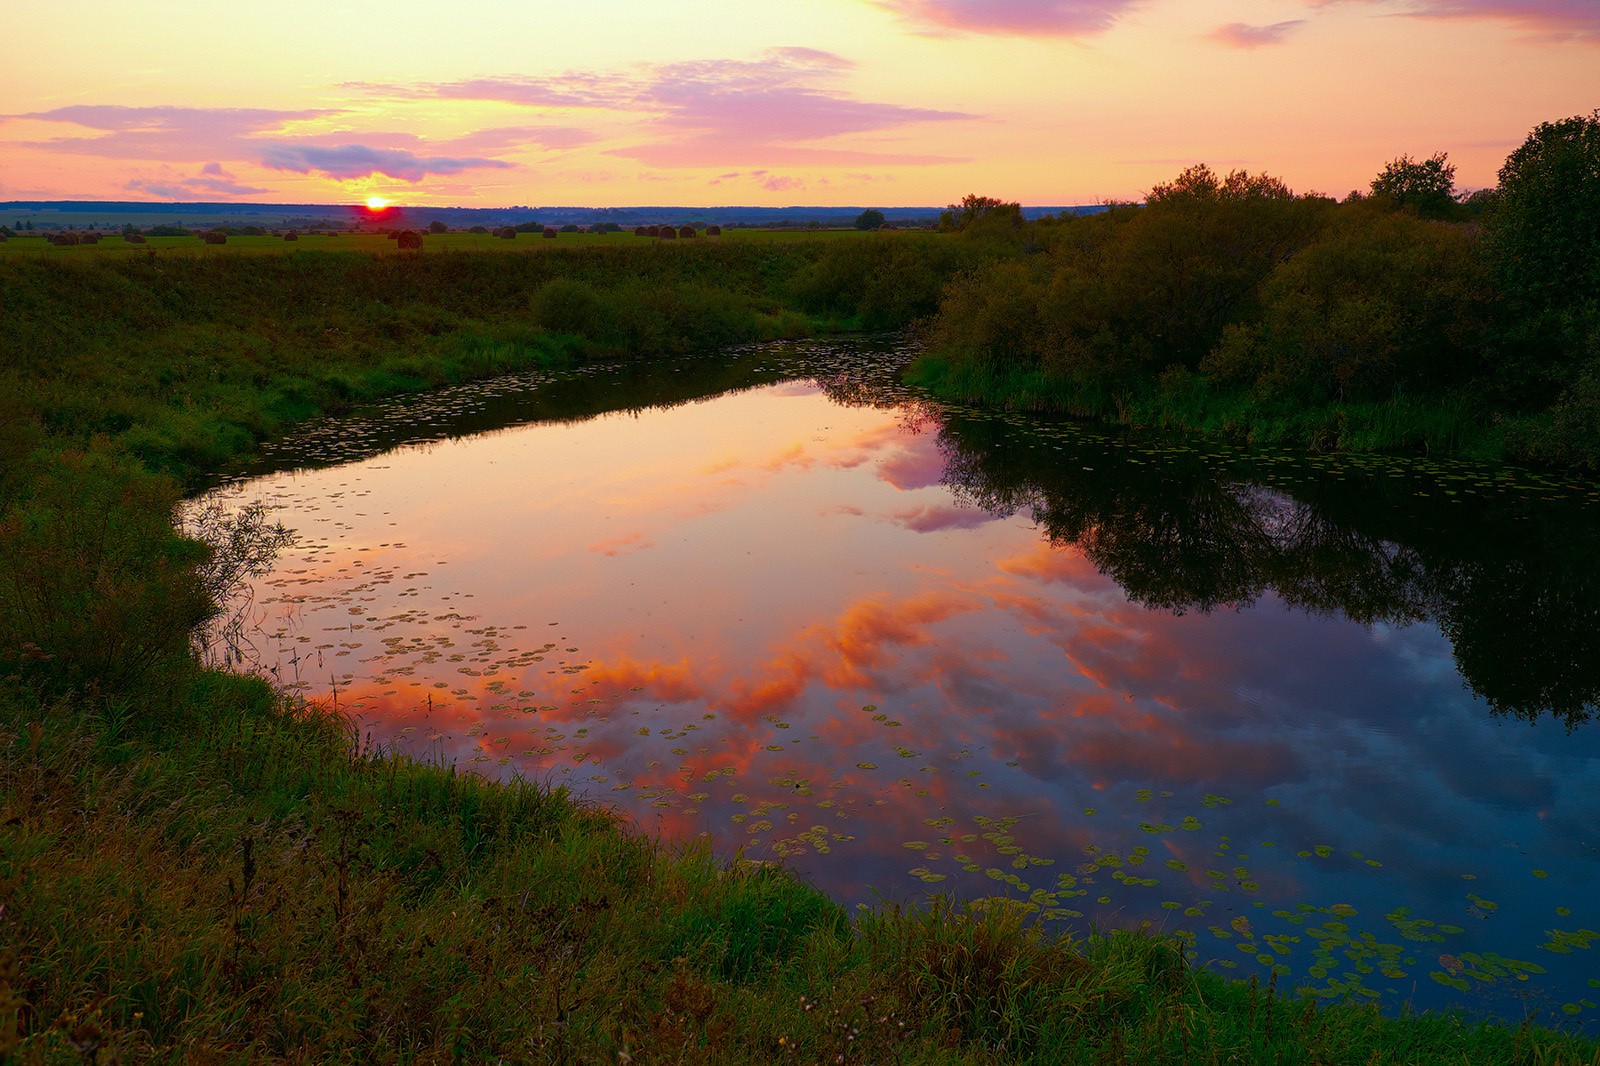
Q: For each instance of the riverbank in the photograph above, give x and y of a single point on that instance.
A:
(195, 866)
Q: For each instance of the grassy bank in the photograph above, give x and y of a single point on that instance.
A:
(1188, 403)
(193, 867)
(234, 880)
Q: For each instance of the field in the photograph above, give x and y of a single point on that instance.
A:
(379, 243)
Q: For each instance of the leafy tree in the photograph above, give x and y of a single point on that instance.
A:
(1544, 232)
(1200, 184)
(1426, 186)
(438, 227)
(871, 218)
(983, 211)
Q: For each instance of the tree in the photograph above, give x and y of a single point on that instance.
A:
(983, 211)
(1425, 186)
(1544, 231)
(437, 227)
(1200, 184)
(871, 218)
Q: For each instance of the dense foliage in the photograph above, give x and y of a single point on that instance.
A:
(1403, 319)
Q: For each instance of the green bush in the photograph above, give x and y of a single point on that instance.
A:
(97, 590)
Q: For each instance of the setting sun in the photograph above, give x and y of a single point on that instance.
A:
(376, 203)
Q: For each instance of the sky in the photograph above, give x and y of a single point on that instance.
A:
(491, 103)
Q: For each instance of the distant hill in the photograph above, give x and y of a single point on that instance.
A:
(52, 214)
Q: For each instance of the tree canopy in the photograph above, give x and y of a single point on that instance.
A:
(871, 218)
(1425, 186)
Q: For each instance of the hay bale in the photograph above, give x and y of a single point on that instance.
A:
(668, 233)
(89, 238)
(409, 240)
(686, 231)
(214, 237)
(506, 233)
(550, 233)
(641, 231)
(393, 235)
(887, 226)
(64, 239)
(291, 236)
(3, 238)
(134, 238)
(713, 231)
(652, 231)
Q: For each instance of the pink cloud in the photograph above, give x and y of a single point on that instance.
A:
(1550, 18)
(769, 111)
(176, 133)
(568, 90)
(344, 162)
(1241, 35)
(1026, 18)
(212, 180)
(935, 519)
(781, 184)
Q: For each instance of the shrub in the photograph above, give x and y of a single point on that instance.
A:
(96, 589)
(1383, 305)
(565, 305)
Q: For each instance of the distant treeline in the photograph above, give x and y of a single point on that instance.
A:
(1400, 318)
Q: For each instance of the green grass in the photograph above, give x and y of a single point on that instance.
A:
(112, 244)
(1187, 404)
(236, 880)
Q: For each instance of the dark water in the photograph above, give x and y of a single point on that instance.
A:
(1326, 715)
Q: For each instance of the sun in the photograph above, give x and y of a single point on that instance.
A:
(376, 203)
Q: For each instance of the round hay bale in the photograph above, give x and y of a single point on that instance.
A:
(393, 235)
(409, 240)
(713, 231)
(64, 239)
(134, 238)
(887, 226)
(668, 233)
(506, 233)
(551, 233)
(652, 231)
(3, 238)
(89, 238)
(686, 231)
(641, 231)
(291, 236)
(214, 237)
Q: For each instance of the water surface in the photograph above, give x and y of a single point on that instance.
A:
(1324, 715)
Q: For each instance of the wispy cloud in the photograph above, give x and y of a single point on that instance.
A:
(213, 180)
(1243, 35)
(173, 133)
(719, 112)
(1023, 18)
(1545, 18)
(348, 161)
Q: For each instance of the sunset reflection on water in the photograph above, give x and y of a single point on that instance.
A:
(765, 617)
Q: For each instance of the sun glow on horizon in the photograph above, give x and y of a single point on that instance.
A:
(376, 203)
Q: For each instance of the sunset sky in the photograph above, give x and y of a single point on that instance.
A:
(827, 102)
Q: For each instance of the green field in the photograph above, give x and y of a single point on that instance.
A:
(380, 243)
